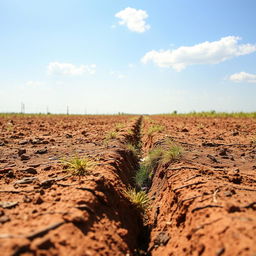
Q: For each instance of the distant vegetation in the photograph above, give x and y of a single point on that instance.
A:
(174, 113)
(213, 114)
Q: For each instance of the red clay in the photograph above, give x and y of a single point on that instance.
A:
(201, 204)
(44, 211)
(204, 203)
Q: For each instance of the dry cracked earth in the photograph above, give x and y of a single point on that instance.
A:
(203, 203)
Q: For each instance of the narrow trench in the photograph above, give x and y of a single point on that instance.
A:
(144, 236)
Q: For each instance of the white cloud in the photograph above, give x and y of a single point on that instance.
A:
(34, 83)
(203, 53)
(243, 77)
(134, 19)
(61, 68)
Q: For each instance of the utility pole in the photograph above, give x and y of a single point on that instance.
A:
(22, 108)
(67, 110)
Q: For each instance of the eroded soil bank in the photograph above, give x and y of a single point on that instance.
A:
(46, 211)
(205, 202)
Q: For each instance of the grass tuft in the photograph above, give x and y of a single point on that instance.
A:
(142, 176)
(111, 135)
(79, 166)
(154, 129)
(174, 152)
(139, 199)
(119, 127)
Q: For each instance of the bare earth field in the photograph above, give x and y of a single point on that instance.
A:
(202, 203)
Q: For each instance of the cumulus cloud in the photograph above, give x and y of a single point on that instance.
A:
(243, 77)
(34, 83)
(203, 53)
(134, 19)
(61, 68)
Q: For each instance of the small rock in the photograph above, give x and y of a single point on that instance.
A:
(26, 180)
(27, 199)
(8, 205)
(14, 137)
(236, 179)
(23, 142)
(4, 219)
(53, 158)
(227, 193)
(24, 157)
(38, 200)
(235, 133)
(41, 151)
(2, 143)
(34, 165)
(184, 130)
(35, 141)
(220, 251)
(68, 136)
(5, 170)
(21, 151)
(232, 208)
(30, 170)
(10, 174)
(223, 152)
(47, 168)
(84, 133)
(210, 144)
(212, 158)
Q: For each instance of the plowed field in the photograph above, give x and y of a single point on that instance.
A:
(201, 202)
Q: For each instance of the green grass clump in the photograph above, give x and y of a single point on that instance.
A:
(174, 152)
(156, 128)
(79, 166)
(215, 114)
(139, 199)
(142, 176)
(154, 156)
(167, 153)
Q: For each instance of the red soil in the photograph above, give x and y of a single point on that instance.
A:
(204, 203)
(201, 204)
(44, 211)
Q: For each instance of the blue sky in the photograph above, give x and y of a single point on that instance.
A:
(147, 56)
